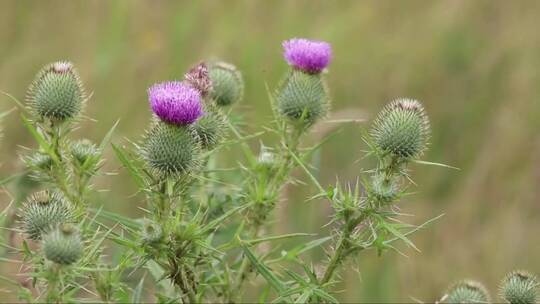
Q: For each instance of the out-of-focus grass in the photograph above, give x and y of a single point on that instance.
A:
(473, 63)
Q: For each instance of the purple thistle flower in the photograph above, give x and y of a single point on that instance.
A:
(310, 56)
(175, 102)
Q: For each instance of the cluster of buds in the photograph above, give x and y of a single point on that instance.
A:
(48, 217)
(517, 287)
(186, 122)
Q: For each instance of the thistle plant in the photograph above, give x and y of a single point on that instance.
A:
(58, 220)
(205, 229)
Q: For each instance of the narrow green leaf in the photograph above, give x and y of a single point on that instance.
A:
(304, 297)
(264, 271)
(107, 137)
(423, 162)
(136, 298)
(216, 222)
(9, 179)
(303, 166)
(324, 295)
(389, 227)
(275, 238)
(129, 165)
(17, 102)
(6, 113)
(126, 221)
(42, 142)
(415, 229)
(296, 251)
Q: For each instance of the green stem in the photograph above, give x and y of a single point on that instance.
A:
(53, 292)
(342, 248)
(335, 261)
(291, 140)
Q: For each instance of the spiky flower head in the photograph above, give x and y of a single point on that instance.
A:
(402, 129)
(267, 160)
(175, 102)
(309, 56)
(82, 150)
(43, 211)
(520, 287)
(57, 92)
(467, 291)
(40, 160)
(199, 78)
(210, 128)
(152, 232)
(63, 245)
(302, 98)
(227, 83)
(384, 189)
(170, 149)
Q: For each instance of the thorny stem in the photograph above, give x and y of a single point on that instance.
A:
(53, 292)
(291, 141)
(59, 176)
(342, 251)
(342, 247)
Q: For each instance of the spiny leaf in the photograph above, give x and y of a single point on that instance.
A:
(275, 238)
(264, 271)
(136, 298)
(216, 222)
(423, 162)
(129, 165)
(40, 139)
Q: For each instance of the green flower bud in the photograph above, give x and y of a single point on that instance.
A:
(43, 211)
(227, 84)
(40, 160)
(520, 287)
(57, 92)
(402, 129)
(384, 190)
(210, 128)
(152, 233)
(63, 245)
(267, 160)
(467, 292)
(82, 150)
(171, 150)
(302, 98)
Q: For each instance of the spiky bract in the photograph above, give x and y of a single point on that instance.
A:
(40, 161)
(210, 128)
(467, 291)
(57, 92)
(520, 287)
(302, 98)
(152, 233)
(171, 150)
(82, 150)
(384, 189)
(63, 245)
(402, 129)
(43, 211)
(227, 84)
(199, 78)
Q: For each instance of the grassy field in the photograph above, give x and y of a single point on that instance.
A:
(474, 64)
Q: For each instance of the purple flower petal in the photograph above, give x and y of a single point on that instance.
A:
(175, 102)
(310, 56)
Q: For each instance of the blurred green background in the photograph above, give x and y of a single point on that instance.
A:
(474, 64)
